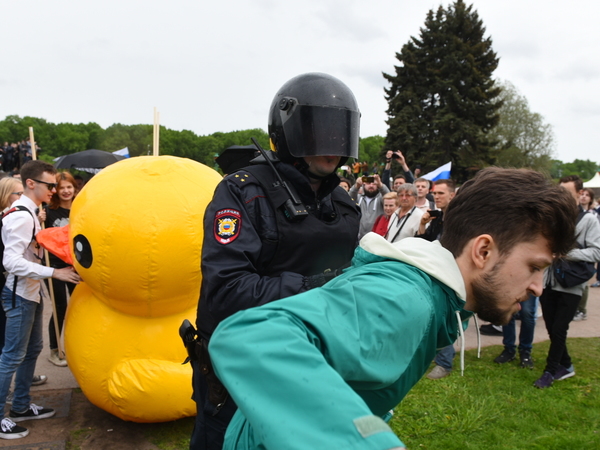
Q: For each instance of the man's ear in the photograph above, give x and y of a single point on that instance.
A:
(30, 183)
(482, 250)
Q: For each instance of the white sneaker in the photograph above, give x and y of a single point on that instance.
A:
(10, 430)
(56, 360)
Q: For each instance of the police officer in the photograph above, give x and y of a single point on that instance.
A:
(272, 232)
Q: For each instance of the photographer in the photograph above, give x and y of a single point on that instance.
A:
(369, 201)
(443, 192)
(387, 170)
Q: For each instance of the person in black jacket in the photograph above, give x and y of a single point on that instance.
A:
(443, 193)
(271, 235)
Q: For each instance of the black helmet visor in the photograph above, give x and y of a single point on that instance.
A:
(321, 131)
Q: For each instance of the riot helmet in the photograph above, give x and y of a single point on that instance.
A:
(314, 114)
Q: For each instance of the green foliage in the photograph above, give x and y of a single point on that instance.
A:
(441, 102)
(586, 169)
(523, 138)
(370, 149)
(496, 406)
(65, 138)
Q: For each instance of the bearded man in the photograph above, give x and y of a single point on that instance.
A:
(320, 369)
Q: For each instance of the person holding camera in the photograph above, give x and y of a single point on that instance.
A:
(369, 202)
(443, 192)
(407, 175)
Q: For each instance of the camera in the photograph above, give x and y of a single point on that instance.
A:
(435, 213)
(368, 179)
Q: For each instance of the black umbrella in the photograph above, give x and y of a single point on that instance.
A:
(91, 161)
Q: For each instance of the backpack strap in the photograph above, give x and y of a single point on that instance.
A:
(12, 210)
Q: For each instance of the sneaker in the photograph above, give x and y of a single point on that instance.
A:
(562, 373)
(505, 357)
(490, 330)
(39, 379)
(526, 361)
(56, 360)
(545, 381)
(438, 372)
(10, 430)
(579, 316)
(34, 412)
(596, 284)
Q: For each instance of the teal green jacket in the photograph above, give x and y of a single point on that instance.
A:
(319, 369)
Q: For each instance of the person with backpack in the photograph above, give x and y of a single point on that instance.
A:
(22, 297)
(561, 295)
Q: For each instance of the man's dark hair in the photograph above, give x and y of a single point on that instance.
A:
(33, 170)
(575, 179)
(448, 182)
(400, 176)
(512, 206)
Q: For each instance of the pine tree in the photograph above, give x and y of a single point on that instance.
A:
(442, 97)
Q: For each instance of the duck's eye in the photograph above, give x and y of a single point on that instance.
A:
(83, 250)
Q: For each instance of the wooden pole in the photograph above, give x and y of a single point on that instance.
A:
(156, 133)
(32, 143)
(61, 350)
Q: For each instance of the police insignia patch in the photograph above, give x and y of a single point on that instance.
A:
(227, 225)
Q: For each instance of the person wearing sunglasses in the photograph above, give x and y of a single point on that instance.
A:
(21, 297)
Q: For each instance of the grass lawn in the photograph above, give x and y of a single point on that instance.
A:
(492, 407)
(496, 406)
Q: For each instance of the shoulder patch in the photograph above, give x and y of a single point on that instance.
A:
(227, 226)
(242, 178)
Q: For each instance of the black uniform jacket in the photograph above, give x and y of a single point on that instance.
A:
(253, 255)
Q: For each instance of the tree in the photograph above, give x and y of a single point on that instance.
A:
(585, 169)
(523, 138)
(369, 148)
(442, 98)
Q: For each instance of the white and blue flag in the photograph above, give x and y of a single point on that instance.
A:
(123, 152)
(442, 172)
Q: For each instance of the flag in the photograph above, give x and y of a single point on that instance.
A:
(440, 173)
(123, 152)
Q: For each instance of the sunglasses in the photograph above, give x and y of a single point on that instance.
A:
(17, 193)
(49, 185)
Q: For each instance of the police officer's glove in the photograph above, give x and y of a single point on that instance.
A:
(320, 279)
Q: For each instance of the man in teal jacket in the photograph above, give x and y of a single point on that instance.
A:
(320, 369)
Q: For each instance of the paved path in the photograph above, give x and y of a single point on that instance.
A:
(75, 414)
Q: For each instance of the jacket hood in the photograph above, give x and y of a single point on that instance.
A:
(430, 257)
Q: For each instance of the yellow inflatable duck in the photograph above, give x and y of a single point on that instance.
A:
(136, 236)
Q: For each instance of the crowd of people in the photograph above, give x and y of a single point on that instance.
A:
(320, 307)
(15, 154)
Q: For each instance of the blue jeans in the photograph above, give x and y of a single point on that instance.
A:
(22, 345)
(445, 356)
(527, 328)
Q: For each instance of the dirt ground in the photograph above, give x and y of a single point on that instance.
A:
(80, 425)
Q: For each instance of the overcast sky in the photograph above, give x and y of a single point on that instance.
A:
(215, 66)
